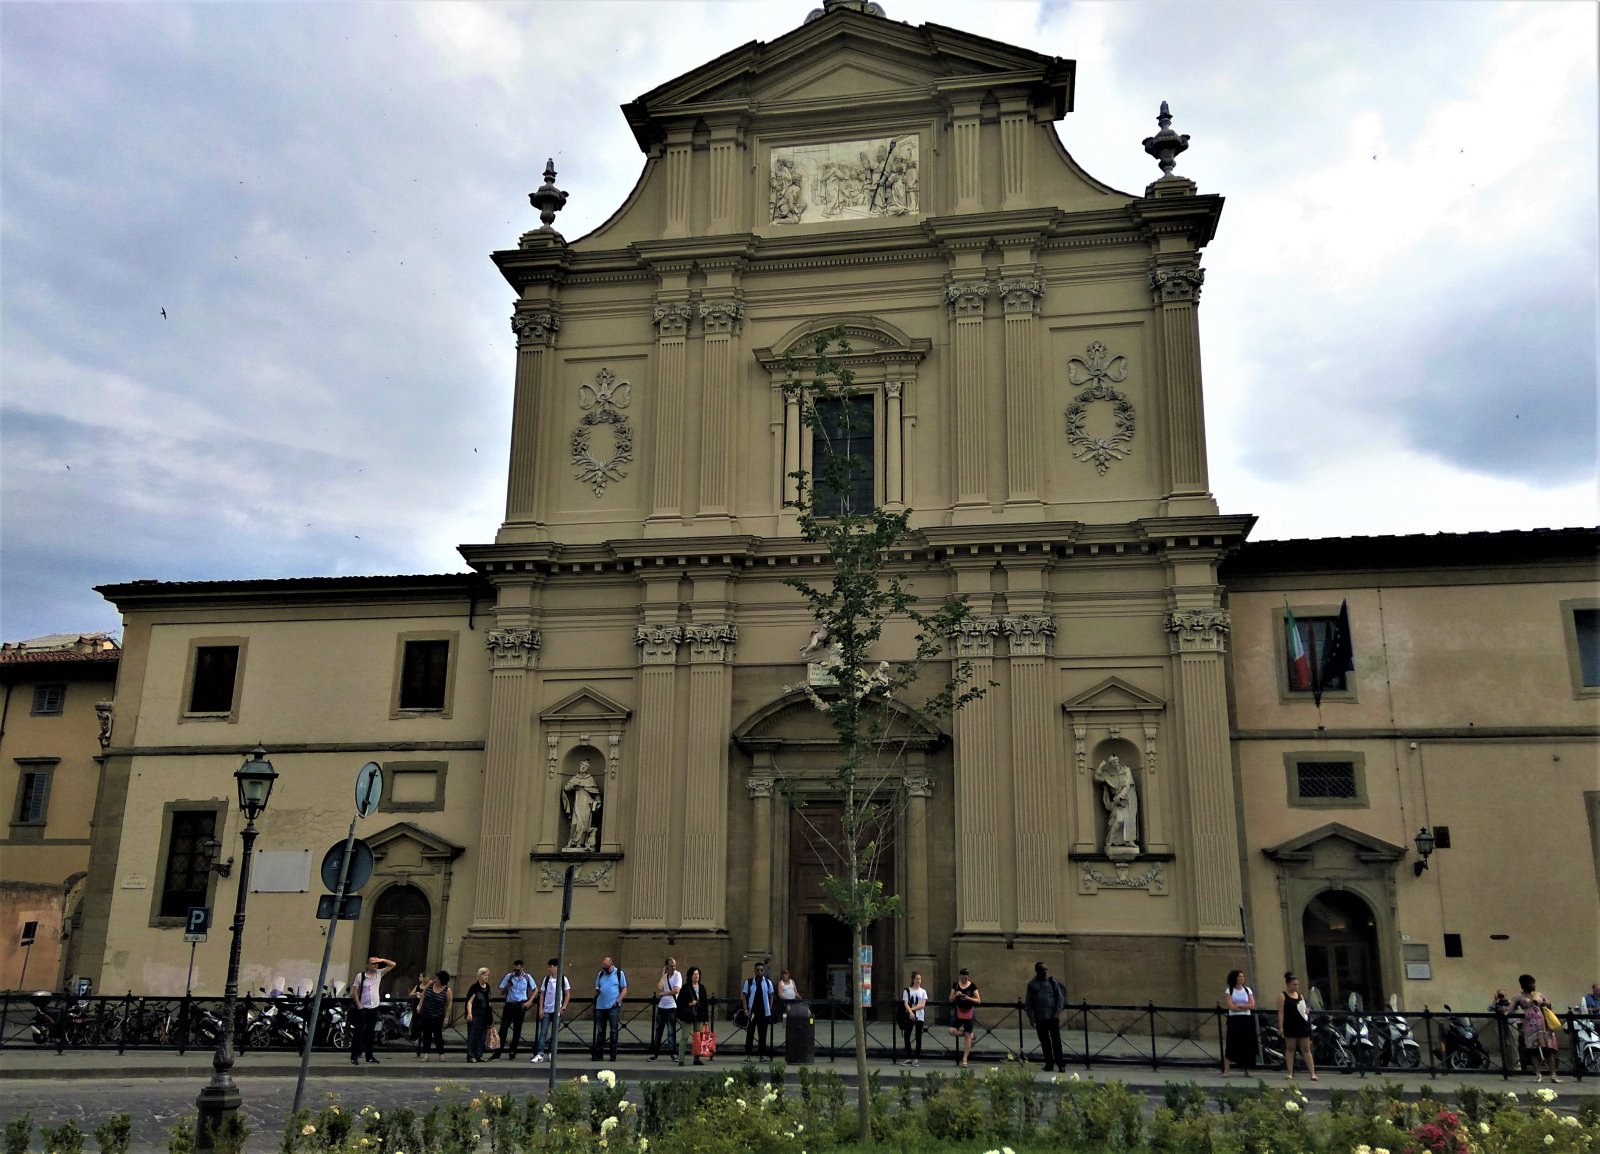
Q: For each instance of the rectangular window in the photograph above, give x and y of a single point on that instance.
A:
(844, 456)
(33, 796)
(48, 699)
(424, 674)
(1305, 661)
(1452, 946)
(216, 669)
(1586, 624)
(1326, 779)
(186, 872)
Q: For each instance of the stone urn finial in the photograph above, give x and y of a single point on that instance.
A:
(1166, 144)
(549, 199)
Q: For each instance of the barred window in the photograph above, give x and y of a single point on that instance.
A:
(186, 877)
(1320, 779)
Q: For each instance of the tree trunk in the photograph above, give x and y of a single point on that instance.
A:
(858, 1011)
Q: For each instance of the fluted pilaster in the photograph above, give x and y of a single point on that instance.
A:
(536, 331)
(513, 653)
(1034, 765)
(966, 299)
(672, 331)
(1020, 299)
(705, 824)
(721, 322)
(654, 833)
(1177, 292)
(978, 831)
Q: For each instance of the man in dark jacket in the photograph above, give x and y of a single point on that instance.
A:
(1044, 1001)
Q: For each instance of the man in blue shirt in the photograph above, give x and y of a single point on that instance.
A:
(518, 987)
(610, 988)
(756, 996)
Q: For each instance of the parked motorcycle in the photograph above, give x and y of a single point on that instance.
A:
(394, 1022)
(1461, 1047)
(1391, 1034)
(272, 1022)
(1354, 1029)
(1585, 1042)
(1328, 1049)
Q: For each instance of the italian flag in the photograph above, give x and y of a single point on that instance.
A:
(1299, 659)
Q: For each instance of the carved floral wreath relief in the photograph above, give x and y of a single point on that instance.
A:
(1099, 374)
(603, 403)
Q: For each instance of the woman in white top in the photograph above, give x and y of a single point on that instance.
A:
(787, 991)
(913, 1001)
(1240, 1048)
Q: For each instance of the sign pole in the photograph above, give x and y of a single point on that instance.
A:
(561, 970)
(322, 974)
(188, 983)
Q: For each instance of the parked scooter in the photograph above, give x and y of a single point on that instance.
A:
(1459, 1043)
(1354, 1029)
(1585, 1042)
(1391, 1033)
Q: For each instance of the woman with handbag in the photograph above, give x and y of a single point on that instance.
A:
(433, 1010)
(964, 997)
(694, 1015)
(480, 1016)
(1541, 1029)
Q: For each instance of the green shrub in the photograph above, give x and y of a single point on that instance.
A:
(230, 1134)
(1113, 1116)
(1190, 1132)
(63, 1139)
(114, 1135)
(955, 1113)
(1184, 1099)
(18, 1134)
(743, 1123)
(180, 1138)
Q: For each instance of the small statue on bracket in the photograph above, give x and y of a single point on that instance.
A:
(1120, 797)
(580, 801)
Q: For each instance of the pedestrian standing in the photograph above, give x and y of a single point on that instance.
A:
(758, 999)
(1541, 1037)
(610, 988)
(480, 1015)
(913, 1015)
(965, 1000)
(1294, 1026)
(666, 1021)
(518, 987)
(1240, 1047)
(366, 995)
(1044, 1001)
(433, 1011)
(549, 1013)
(694, 1011)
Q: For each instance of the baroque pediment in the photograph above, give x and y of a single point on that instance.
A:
(423, 843)
(1327, 844)
(1113, 695)
(794, 721)
(586, 705)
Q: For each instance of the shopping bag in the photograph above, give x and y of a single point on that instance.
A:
(704, 1043)
(494, 1039)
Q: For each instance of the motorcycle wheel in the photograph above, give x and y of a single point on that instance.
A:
(340, 1036)
(1591, 1060)
(1461, 1059)
(1410, 1056)
(1334, 1052)
(259, 1036)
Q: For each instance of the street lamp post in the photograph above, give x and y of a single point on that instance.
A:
(219, 1099)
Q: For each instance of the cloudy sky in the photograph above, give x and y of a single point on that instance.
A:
(1399, 317)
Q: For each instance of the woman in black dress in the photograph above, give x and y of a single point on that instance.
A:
(480, 1016)
(1294, 1026)
(1240, 1049)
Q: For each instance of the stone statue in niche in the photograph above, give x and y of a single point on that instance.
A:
(1120, 797)
(580, 801)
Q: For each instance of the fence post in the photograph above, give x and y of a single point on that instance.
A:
(1085, 1011)
(1155, 1060)
(1427, 1029)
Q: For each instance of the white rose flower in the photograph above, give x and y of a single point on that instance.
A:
(1549, 1139)
(583, 1079)
(608, 1125)
(1545, 1095)
(1483, 1127)
(1292, 1107)
(608, 1077)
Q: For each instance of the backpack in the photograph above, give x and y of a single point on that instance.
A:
(902, 1016)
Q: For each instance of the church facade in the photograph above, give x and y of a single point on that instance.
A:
(617, 683)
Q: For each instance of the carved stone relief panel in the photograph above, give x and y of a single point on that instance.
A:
(602, 403)
(844, 180)
(1098, 372)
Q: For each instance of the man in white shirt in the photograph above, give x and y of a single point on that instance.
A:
(549, 1015)
(366, 995)
(667, 1011)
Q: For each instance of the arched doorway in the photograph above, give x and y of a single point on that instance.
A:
(1341, 942)
(401, 919)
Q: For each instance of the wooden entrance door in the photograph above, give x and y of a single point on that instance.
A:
(1341, 939)
(819, 944)
(401, 920)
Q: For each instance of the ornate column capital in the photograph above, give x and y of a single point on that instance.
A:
(966, 298)
(711, 644)
(761, 786)
(1030, 635)
(512, 648)
(658, 644)
(1199, 630)
(535, 327)
(975, 636)
(1180, 283)
(894, 389)
(1021, 295)
(919, 785)
(672, 318)
(721, 317)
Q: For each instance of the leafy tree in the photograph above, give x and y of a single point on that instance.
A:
(865, 590)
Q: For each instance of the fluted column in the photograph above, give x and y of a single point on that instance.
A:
(653, 832)
(1024, 456)
(965, 299)
(1177, 292)
(967, 161)
(1033, 764)
(979, 836)
(513, 654)
(705, 819)
(536, 330)
(1199, 640)
(720, 319)
(919, 788)
(1016, 134)
(678, 161)
(672, 330)
(725, 182)
(791, 449)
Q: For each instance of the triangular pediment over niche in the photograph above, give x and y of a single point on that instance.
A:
(422, 843)
(586, 705)
(1113, 694)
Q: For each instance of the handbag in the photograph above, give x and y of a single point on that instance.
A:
(1551, 1022)
(741, 1018)
(703, 1043)
(494, 1038)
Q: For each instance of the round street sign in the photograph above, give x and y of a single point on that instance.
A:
(369, 789)
(361, 863)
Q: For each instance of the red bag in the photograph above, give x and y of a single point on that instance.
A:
(704, 1043)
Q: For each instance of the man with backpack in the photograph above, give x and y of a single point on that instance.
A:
(1044, 1001)
(756, 999)
(610, 988)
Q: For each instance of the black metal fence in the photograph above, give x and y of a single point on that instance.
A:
(1160, 1037)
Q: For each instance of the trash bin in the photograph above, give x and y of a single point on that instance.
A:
(799, 1035)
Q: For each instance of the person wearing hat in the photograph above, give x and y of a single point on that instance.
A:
(965, 999)
(1043, 1002)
